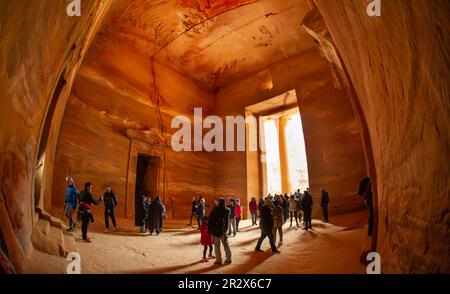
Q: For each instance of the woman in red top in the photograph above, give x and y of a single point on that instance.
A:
(206, 239)
(238, 210)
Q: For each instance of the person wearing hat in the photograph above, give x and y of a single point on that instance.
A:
(110, 200)
(70, 204)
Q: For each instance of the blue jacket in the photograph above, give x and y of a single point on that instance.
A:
(71, 196)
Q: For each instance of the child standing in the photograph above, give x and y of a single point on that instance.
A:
(206, 239)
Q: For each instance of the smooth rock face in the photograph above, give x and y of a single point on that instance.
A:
(399, 66)
(151, 62)
(333, 147)
(38, 40)
(122, 100)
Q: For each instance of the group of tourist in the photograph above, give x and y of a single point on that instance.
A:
(223, 221)
(154, 215)
(273, 211)
(154, 211)
(199, 212)
(84, 201)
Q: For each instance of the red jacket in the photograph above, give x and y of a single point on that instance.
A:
(238, 211)
(253, 206)
(205, 238)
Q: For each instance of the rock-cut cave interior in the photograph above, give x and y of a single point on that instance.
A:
(330, 95)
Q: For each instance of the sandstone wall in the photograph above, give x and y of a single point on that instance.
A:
(399, 65)
(329, 125)
(122, 104)
(30, 67)
(333, 148)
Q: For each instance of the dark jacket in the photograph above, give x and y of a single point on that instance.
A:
(307, 201)
(324, 199)
(201, 209)
(218, 220)
(194, 206)
(266, 220)
(260, 205)
(156, 212)
(87, 200)
(365, 190)
(110, 199)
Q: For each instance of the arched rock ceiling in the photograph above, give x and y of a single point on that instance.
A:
(213, 42)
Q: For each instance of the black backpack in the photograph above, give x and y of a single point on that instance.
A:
(216, 224)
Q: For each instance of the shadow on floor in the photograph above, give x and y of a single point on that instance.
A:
(164, 270)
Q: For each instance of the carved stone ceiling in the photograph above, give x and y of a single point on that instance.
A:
(213, 42)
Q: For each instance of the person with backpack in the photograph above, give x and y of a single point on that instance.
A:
(206, 239)
(85, 209)
(307, 203)
(70, 204)
(266, 225)
(324, 200)
(217, 227)
(110, 201)
(253, 207)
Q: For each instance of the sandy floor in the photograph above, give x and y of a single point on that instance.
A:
(328, 248)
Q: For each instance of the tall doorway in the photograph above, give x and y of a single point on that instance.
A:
(147, 173)
(279, 164)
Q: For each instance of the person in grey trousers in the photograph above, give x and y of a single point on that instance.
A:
(217, 227)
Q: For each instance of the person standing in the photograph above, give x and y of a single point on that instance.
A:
(365, 191)
(206, 239)
(260, 206)
(193, 210)
(307, 203)
(217, 227)
(70, 204)
(238, 211)
(324, 200)
(232, 220)
(110, 201)
(266, 225)
(156, 212)
(278, 218)
(293, 212)
(85, 209)
(285, 206)
(201, 209)
(253, 207)
(146, 201)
